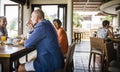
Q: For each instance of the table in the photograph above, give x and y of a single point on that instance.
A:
(10, 53)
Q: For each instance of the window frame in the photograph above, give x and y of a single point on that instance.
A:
(64, 6)
(20, 16)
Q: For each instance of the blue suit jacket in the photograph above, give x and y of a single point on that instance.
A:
(44, 39)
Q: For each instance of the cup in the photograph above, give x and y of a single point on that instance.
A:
(3, 39)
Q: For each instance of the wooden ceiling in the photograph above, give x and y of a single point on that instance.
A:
(88, 5)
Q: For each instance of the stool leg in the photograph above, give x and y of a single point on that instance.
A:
(102, 64)
(90, 57)
(94, 57)
(16, 64)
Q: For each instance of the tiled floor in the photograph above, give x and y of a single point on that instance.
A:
(81, 58)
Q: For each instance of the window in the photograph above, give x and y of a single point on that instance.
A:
(13, 11)
(62, 15)
(54, 11)
(14, 26)
(12, 19)
(50, 12)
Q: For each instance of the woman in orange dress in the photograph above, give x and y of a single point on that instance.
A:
(62, 36)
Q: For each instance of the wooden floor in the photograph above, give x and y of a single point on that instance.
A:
(81, 58)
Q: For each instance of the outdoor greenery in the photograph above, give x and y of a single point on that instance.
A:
(108, 17)
(12, 24)
(12, 27)
(76, 20)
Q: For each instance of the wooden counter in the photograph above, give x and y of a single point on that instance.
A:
(10, 53)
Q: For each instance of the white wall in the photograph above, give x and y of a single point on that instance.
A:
(69, 21)
(26, 16)
(115, 20)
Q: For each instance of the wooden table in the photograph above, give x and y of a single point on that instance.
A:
(10, 53)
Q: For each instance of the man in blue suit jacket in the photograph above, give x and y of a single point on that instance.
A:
(44, 39)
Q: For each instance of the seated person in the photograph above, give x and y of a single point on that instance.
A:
(3, 23)
(62, 36)
(104, 31)
(44, 39)
(110, 28)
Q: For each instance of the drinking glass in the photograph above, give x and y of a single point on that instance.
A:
(3, 39)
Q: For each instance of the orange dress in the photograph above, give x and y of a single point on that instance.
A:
(63, 41)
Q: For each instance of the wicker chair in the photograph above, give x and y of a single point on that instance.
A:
(97, 48)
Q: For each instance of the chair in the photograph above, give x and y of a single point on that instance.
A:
(77, 36)
(111, 58)
(97, 48)
(110, 54)
(69, 65)
(114, 66)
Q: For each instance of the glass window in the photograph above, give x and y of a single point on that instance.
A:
(12, 19)
(13, 11)
(50, 11)
(54, 11)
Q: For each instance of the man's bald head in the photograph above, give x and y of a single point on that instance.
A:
(39, 13)
(37, 16)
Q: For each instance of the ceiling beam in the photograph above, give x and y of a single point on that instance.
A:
(93, 3)
(86, 5)
(90, 0)
(83, 7)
